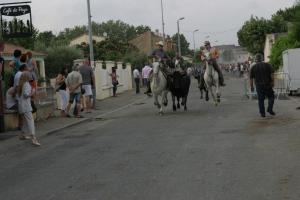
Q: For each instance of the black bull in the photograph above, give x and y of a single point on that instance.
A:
(179, 85)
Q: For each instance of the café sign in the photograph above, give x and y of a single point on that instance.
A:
(16, 21)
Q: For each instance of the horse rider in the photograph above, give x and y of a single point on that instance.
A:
(213, 60)
(158, 55)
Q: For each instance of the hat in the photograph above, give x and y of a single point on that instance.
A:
(160, 43)
(206, 43)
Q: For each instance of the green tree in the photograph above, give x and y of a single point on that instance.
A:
(183, 43)
(46, 37)
(289, 42)
(59, 57)
(253, 34)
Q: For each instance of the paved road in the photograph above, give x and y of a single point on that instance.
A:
(207, 153)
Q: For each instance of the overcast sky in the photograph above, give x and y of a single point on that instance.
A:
(222, 16)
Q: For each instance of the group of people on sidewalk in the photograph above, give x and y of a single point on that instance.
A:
(76, 87)
(22, 92)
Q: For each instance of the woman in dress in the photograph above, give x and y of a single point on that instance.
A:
(24, 93)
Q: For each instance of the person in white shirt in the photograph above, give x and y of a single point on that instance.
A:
(24, 93)
(136, 76)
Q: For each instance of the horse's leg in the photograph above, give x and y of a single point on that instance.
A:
(178, 102)
(165, 98)
(174, 106)
(156, 103)
(201, 93)
(218, 93)
(206, 95)
(212, 94)
(185, 102)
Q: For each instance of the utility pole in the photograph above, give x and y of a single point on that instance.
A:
(163, 21)
(178, 35)
(90, 34)
(194, 42)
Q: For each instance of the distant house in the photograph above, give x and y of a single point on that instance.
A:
(38, 56)
(146, 42)
(232, 54)
(84, 39)
(270, 41)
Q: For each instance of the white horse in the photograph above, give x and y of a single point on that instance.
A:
(211, 78)
(159, 87)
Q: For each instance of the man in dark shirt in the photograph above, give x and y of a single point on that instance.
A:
(263, 75)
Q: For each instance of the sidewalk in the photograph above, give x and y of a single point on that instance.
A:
(55, 124)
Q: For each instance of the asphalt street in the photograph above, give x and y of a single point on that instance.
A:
(207, 153)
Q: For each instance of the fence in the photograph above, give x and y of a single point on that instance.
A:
(45, 102)
(281, 86)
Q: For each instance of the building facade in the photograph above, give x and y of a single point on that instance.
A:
(146, 42)
(270, 41)
(84, 39)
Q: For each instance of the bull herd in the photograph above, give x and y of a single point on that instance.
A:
(179, 84)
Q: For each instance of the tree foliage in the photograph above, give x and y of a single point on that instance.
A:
(253, 33)
(59, 57)
(183, 43)
(289, 42)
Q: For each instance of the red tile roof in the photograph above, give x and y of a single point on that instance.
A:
(10, 48)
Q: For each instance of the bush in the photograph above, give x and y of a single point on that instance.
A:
(136, 59)
(59, 57)
(279, 47)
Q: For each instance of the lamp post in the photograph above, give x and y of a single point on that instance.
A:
(194, 42)
(90, 33)
(178, 35)
(162, 19)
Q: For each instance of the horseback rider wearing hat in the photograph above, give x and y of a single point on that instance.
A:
(158, 55)
(213, 61)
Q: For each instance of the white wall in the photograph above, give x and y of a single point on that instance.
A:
(103, 78)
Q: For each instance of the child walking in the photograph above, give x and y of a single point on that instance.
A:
(24, 94)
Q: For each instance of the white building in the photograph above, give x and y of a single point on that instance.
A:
(270, 41)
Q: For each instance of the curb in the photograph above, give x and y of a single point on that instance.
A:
(51, 132)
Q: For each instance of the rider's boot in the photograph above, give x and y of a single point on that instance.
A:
(221, 77)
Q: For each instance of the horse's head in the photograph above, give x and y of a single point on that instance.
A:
(156, 67)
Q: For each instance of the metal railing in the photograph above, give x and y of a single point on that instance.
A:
(281, 86)
(45, 96)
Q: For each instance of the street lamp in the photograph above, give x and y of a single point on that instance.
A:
(162, 19)
(194, 41)
(178, 35)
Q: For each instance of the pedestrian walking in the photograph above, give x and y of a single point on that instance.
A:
(24, 93)
(114, 80)
(137, 77)
(73, 82)
(88, 79)
(61, 87)
(263, 75)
